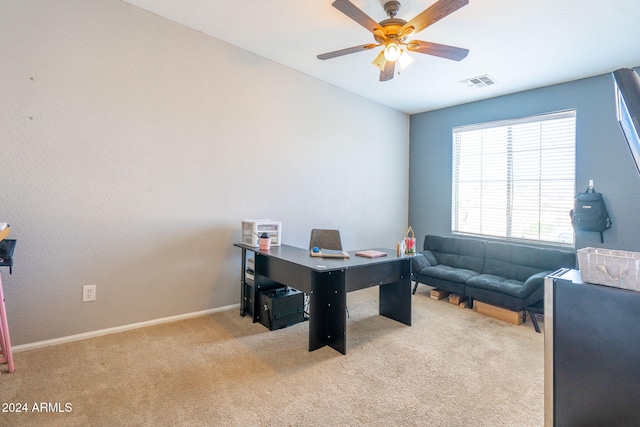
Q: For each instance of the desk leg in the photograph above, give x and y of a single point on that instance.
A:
(395, 298)
(328, 306)
(242, 282)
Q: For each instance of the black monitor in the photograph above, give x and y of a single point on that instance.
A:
(627, 86)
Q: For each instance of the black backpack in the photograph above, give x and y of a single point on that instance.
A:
(590, 213)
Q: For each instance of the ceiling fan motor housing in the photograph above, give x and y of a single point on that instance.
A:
(392, 8)
(392, 29)
(393, 25)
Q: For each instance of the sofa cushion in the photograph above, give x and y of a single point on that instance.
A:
(507, 286)
(457, 252)
(446, 272)
(513, 275)
(521, 262)
(496, 284)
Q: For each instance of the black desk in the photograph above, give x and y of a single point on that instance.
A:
(7, 248)
(327, 281)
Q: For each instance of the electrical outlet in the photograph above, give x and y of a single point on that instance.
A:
(88, 293)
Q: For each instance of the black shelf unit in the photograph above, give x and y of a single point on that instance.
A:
(592, 353)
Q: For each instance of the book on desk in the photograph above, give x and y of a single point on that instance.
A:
(371, 253)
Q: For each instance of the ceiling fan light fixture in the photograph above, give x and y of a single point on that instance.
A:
(392, 52)
(404, 60)
(380, 61)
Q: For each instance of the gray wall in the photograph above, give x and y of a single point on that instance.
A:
(132, 147)
(601, 155)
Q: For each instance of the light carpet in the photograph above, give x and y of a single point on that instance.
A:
(453, 367)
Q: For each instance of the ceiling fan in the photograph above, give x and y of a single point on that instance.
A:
(393, 34)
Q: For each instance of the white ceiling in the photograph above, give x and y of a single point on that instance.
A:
(522, 44)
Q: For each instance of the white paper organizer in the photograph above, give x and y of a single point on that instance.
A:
(619, 269)
(252, 228)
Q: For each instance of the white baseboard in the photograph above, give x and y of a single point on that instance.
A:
(116, 329)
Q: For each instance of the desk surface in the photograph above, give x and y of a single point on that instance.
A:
(302, 257)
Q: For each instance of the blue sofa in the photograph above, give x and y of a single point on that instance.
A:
(503, 274)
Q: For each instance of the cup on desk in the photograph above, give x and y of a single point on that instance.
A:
(264, 243)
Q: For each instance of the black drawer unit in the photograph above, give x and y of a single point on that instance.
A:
(281, 307)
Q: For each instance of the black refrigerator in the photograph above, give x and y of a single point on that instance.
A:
(592, 353)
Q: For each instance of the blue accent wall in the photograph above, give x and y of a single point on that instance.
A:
(601, 155)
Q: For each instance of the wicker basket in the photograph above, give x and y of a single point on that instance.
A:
(620, 269)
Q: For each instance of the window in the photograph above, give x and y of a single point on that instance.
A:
(515, 179)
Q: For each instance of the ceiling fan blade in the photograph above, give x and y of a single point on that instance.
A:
(387, 73)
(346, 51)
(350, 9)
(435, 49)
(434, 13)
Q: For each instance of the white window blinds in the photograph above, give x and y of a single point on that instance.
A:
(515, 179)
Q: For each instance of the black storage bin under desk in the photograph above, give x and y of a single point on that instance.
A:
(281, 307)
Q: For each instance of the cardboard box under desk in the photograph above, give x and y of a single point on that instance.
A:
(513, 317)
(438, 294)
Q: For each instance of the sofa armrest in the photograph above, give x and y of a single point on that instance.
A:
(431, 258)
(534, 282)
(423, 260)
(418, 262)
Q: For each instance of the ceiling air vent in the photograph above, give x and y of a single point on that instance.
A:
(480, 81)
